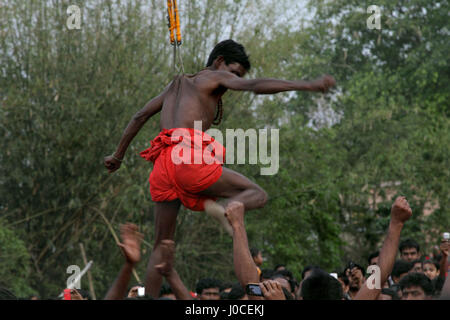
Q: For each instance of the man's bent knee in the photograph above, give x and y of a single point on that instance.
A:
(262, 198)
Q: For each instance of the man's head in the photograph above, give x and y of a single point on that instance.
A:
(409, 250)
(307, 271)
(266, 274)
(229, 56)
(416, 286)
(237, 293)
(257, 256)
(285, 279)
(321, 286)
(208, 289)
(373, 258)
(417, 266)
(400, 269)
(166, 292)
(431, 269)
(355, 276)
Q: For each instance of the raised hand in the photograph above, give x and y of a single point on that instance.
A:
(401, 211)
(167, 257)
(131, 242)
(111, 163)
(445, 247)
(234, 212)
(272, 290)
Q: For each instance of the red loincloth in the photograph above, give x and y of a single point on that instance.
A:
(182, 168)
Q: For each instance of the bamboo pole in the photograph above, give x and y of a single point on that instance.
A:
(91, 284)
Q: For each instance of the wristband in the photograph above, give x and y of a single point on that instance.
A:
(117, 159)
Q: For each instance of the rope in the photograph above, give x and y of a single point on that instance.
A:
(173, 18)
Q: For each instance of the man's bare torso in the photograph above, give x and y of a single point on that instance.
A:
(191, 98)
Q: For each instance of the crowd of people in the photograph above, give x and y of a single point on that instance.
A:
(398, 271)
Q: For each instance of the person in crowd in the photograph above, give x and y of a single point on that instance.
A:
(373, 258)
(279, 267)
(208, 289)
(257, 258)
(409, 250)
(355, 274)
(400, 213)
(416, 286)
(266, 274)
(237, 292)
(417, 266)
(401, 268)
(431, 269)
(319, 285)
(166, 292)
(131, 248)
(343, 279)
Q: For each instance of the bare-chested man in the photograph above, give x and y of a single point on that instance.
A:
(187, 99)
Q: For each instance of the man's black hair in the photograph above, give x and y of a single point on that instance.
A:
(207, 283)
(287, 275)
(254, 252)
(417, 279)
(165, 289)
(236, 293)
(232, 52)
(408, 243)
(321, 286)
(390, 292)
(400, 267)
(225, 285)
(344, 278)
(278, 266)
(308, 268)
(267, 273)
(373, 255)
(436, 264)
(85, 294)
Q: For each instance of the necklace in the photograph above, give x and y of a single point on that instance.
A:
(219, 114)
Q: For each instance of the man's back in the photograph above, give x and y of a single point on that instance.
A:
(191, 98)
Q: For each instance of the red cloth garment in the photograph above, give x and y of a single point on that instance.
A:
(186, 162)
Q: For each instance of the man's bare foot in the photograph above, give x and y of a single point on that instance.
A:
(235, 213)
(216, 211)
(167, 248)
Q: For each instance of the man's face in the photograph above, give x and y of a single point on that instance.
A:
(374, 261)
(430, 271)
(409, 254)
(210, 294)
(234, 67)
(417, 267)
(258, 259)
(413, 293)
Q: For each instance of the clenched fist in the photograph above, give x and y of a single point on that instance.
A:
(401, 211)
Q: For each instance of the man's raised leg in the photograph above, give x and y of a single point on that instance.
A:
(233, 186)
(165, 222)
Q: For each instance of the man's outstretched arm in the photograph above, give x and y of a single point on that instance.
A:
(166, 269)
(400, 213)
(271, 86)
(244, 266)
(112, 163)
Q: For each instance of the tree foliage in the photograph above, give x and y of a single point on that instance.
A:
(66, 96)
